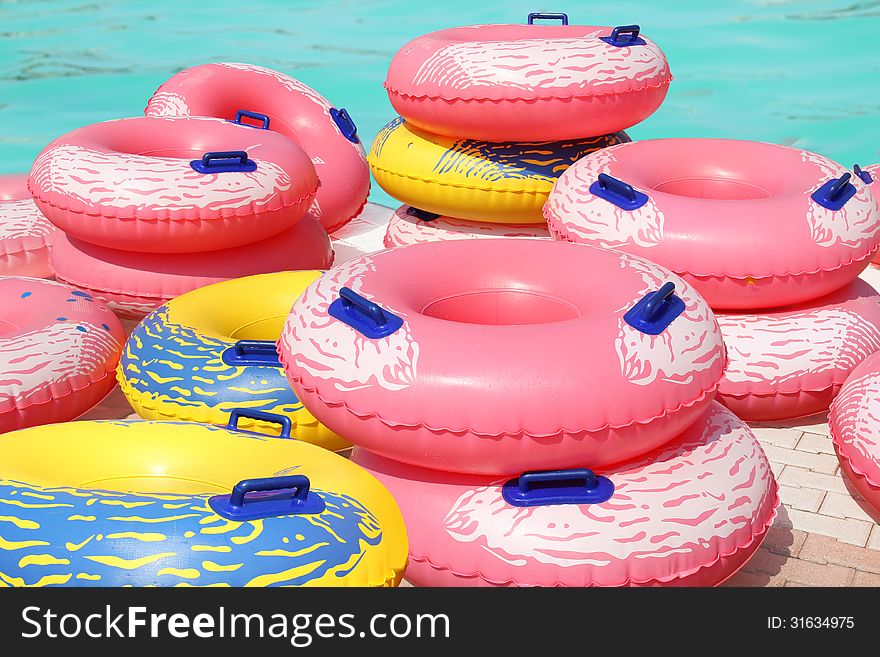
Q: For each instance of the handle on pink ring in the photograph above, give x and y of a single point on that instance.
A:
(543, 488)
(539, 16)
(864, 176)
(624, 36)
(615, 191)
(256, 116)
(363, 315)
(834, 194)
(345, 123)
(224, 161)
(655, 311)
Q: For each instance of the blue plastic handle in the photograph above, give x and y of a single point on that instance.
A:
(245, 353)
(578, 486)
(272, 418)
(619, 193)
(421, 215)
(655, 311)
(624, 36)
(236, 506)
(363, 315)
(538, 16)
(835, 193)
(256, 116)
(223, 161)
(345, 123)
(863, 175)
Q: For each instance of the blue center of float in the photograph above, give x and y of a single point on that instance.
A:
(74, 537)
(179, 366)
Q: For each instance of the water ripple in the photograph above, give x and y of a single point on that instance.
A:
(855, 10)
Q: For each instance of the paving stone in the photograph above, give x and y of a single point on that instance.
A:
(811, 442)
(745, 578)
(817, 424)
(784, 541)
(777, 436)
(797, 476)
(813, 574)
(777, 469)
(378, 215)
(845, 506)
(848, 530)
(821, 429)
(765, 561)
(823, 463)
(822, 549)
(865, 579)
(874, 538)
(805, 499)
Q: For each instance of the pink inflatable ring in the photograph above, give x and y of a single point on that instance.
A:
(419, 355)
(791, 362)
(786, 225)
(688, 514)
(248, 94)
(528, 82)
(172, 185)
(411, 225)
(24, 231)
(58, 352)
(134, 284)
(856, 432)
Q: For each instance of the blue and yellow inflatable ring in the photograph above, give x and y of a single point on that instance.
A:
(213, 349)
(135, 503)
(482, 181)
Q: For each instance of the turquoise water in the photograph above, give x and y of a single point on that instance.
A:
(803, 73)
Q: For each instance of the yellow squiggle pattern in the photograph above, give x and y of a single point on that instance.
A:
(117, 544)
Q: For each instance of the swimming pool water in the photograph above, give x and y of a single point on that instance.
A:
(802, 73)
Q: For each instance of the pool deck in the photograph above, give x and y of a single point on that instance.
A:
(824, 533)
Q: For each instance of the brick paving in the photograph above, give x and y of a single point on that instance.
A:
(824, 534)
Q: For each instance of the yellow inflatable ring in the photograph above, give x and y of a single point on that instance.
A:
(469, 179)
(213, 349)
(135, 503)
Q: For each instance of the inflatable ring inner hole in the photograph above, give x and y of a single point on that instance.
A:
(514, 31)
(730, 171)
(266, 328)
(712, 188)
(227, 101)
(179, 139)
(155, 484)
(501, 308)
(7, 328)
(177, 153)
